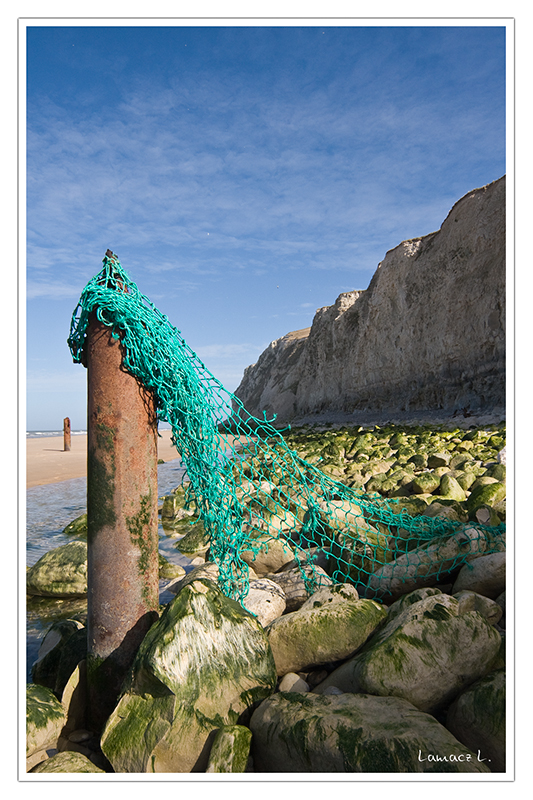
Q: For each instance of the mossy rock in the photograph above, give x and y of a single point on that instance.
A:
(477, 719)
(452, 511)
(204, 664)
(488, 494)
(483, 480)
(174, 504)
(398, 439)
(465, 446)
(498, 471)
(419, 460)
(375, 483)
(67, 761)
(230, 751)
(450, 488)
(425, 483)
(45, 718)
(459, 460)
(465, 480)
(413, 505)
(62, 572)
(195, 541)
(78, 526)
(439, 459)
(430, 639)
(329, 632)
(349, 733)
(167, 570)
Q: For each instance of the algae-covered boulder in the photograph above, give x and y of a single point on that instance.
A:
(486, 494)
(426, 654)
(318, 635)
(424, 565)
(425, 483)
(202, 665)
(173, 508)
(477, 719)
(353, 733)
(78, 526)
(230, 750)
(45, 718)
(68, 761)
(61, 572)
(336, 593)
(450, 488)
(195, 541)
(436, 460)
(168, 570)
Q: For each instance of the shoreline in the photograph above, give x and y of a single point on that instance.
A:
(47, 462)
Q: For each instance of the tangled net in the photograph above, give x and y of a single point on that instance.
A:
(249, 488)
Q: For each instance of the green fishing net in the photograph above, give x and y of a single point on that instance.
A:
(250, 489)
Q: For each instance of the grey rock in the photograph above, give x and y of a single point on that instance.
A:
(477, 719)
(298, 588)
(265, 599)
(484, 575)
(353, 734)
(426, 654)
(291, 682)
(472, 601)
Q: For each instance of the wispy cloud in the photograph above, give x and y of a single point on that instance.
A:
(51, 289)
(249, 160)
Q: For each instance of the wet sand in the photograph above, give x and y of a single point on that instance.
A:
(47, 462)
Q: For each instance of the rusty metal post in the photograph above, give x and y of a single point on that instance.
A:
(122, 522)
(66, 434)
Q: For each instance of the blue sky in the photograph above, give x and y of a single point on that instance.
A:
(244, 176)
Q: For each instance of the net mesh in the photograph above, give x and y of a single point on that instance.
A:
(251, 490)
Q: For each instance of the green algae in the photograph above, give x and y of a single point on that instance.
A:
(230, 749)
(141, 535)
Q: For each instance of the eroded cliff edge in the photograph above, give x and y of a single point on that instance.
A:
(427, 335)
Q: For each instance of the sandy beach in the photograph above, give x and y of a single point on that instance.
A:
(47, 462)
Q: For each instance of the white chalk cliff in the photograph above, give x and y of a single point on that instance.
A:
(427, 334)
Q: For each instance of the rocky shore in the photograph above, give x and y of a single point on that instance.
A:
(310, 674)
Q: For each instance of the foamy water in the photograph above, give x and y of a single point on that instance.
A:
(45, 434)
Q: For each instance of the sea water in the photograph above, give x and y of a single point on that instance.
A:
(49, 509)
(47, 434)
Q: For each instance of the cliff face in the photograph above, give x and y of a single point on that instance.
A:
(428, 334)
